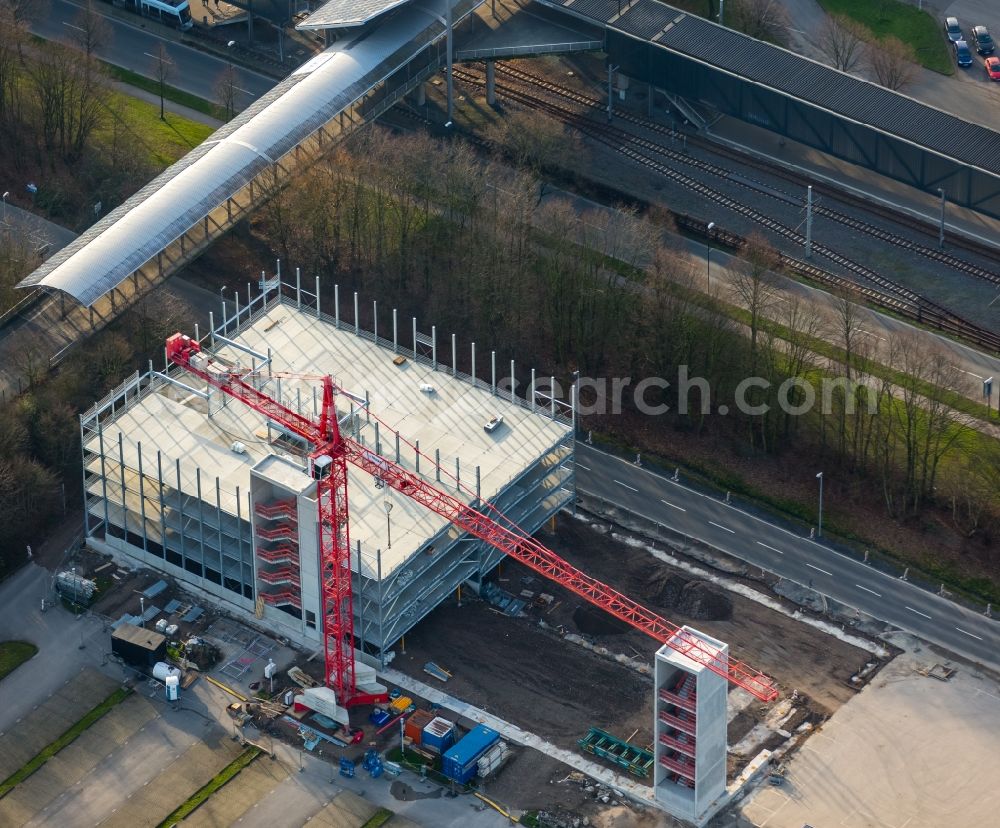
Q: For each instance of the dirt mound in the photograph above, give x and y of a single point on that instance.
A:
(703, 602)
(593, 621)
(695, 599)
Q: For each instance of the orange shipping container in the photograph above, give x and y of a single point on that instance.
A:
(415, 724)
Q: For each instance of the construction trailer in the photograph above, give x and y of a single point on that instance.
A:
(137, 646)
(186, 481)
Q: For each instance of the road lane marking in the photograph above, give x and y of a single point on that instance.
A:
(820, 570)
(872, 591)
(968, 634)
(761, 543)
(580, 465)
(918, 612)
(731, 531)
(626, 485)
(673, 505)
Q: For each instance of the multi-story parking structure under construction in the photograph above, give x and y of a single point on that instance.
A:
(181, 479)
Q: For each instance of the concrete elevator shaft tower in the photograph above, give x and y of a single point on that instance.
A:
(689, 730)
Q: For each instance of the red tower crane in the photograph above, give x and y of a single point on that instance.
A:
(331, 453)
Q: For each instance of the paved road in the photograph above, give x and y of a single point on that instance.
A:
(57, 633)
(782, 551)
(132, 44)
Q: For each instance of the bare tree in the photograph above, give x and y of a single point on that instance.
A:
(892, 62)
(25, 10)
(802, 320)
(842, 40)
(16, 262)
(225, 91)
(162, 70)
(70, 94)
(535, 141)
(762, 19)
(31, 358)
(90, 30)
(928, 426)
(13, 34)
(755, 285)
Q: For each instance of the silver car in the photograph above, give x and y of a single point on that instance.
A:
(952, 30)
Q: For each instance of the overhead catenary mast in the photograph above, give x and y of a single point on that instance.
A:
(328, 459)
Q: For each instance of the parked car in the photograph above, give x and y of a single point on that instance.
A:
(963, 55)
(952, 30)
(981, 37)
(993, 68)
(493, 423)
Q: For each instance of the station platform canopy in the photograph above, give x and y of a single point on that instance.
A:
(337, 14)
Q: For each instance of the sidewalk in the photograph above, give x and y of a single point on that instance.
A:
(168, 105)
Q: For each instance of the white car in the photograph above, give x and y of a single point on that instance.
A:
(493, 423)
(427, 388)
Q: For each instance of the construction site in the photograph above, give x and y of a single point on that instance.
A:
(320, 531)
(210, 470)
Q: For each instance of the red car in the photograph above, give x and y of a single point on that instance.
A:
(993, 68)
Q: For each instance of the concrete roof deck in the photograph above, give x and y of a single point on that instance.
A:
(449, 420)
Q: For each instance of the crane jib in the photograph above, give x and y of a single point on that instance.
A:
(510, 539)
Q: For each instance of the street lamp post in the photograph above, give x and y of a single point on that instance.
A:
(388, 522)
(819, 522)
(5, 196)
(708, 256)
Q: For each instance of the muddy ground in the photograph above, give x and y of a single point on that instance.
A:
(529, 675)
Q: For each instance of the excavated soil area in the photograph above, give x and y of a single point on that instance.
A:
(523, 671)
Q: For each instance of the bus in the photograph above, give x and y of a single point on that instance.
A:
(175, 13)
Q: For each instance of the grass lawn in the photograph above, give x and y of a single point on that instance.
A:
(51, 750)
(13, 654)
(917, 28)
(165, 141)
(170, 93)
(380, 817)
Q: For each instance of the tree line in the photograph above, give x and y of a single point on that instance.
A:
(443, 233)
(61, 127)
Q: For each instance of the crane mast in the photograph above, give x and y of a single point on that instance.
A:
(331, 453)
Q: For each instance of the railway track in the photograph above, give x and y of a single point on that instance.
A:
(892, 296)
(932, 253)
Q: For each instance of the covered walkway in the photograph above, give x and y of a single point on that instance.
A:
(177, 215)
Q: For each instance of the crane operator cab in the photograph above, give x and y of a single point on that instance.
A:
(321, 467)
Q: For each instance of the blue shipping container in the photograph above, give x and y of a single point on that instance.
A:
(459, 762)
